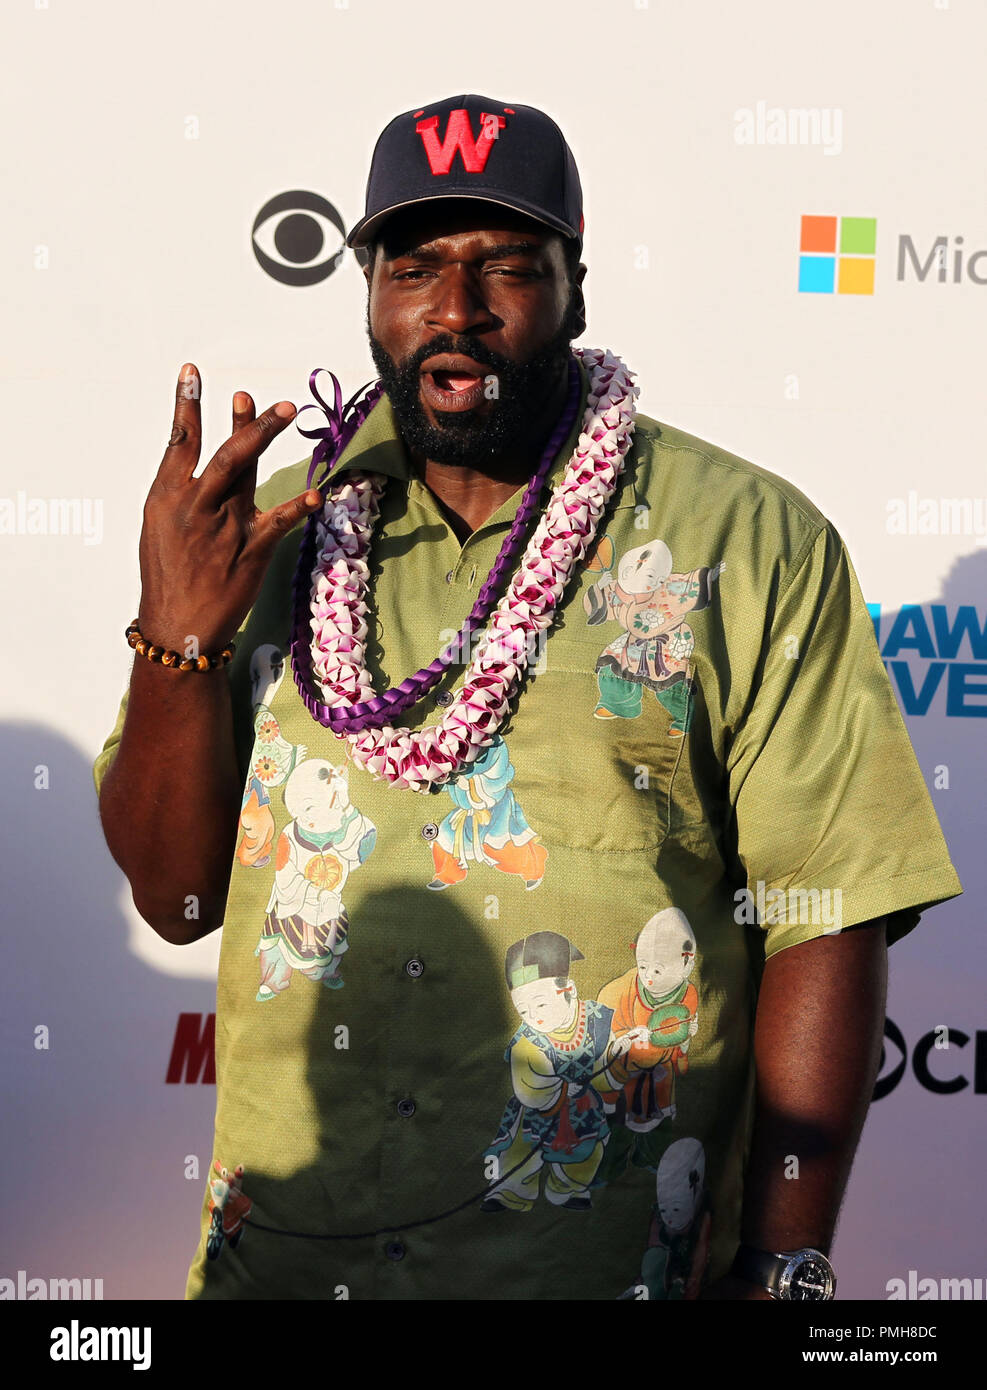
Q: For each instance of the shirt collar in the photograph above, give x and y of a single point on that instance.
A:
(377, 447)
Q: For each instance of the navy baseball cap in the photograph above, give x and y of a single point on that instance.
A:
(473, 147)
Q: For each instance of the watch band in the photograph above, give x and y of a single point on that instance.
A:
(759, 1267)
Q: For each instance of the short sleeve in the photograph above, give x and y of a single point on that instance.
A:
(832, 822)
(112, 743)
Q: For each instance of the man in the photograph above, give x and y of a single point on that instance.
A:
(771, 764)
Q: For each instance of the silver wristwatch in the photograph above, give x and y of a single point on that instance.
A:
(793, 1275)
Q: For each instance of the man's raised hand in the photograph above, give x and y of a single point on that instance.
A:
(204, 546)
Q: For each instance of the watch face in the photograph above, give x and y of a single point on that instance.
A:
(808, 1277)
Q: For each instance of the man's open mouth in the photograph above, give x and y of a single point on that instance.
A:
(454, 381)
(450, 383)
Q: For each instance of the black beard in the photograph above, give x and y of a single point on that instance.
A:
(467, 438)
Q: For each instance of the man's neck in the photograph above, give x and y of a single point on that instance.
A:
(469, 495)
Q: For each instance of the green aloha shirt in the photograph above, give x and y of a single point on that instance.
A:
(436, 1039)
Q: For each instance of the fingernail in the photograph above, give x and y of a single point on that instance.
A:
(189, 384)
(240, 402)
(285, 409)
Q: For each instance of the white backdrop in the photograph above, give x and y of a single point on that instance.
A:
(148, 139)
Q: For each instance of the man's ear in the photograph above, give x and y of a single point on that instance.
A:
(579, 303)
(366, 260)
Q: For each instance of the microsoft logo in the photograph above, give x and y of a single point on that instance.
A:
(837, 253)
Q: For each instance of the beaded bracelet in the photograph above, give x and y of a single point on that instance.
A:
(174, 659)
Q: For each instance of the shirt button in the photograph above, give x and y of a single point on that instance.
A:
(430, 830)
(449, 577)
(406, 1108)
(415, 968)
(394, 1250)
(444, 697)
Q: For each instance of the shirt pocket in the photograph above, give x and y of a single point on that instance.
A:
(586, 781)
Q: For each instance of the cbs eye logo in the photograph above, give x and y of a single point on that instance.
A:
(952, 1073)
(299, 238)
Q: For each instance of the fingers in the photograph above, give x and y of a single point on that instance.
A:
(241, 451)
(243, 410)
(181, 456)
(243, 414)
(270, 526)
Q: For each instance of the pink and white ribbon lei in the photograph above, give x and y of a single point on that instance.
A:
(565, 531)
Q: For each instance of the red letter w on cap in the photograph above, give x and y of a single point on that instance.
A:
(459, 136)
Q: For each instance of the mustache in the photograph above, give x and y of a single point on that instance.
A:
(448, 343)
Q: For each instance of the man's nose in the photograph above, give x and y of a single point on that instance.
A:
(459, 306)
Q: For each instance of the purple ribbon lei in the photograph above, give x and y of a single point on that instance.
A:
(343, 422)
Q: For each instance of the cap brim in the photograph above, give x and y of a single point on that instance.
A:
(365, 229)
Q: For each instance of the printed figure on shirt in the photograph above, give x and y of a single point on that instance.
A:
(675, 1261)
(650, 603)
(487, 825)
(229, 1209)
(657, 1002)
(306, 927)
(559, 1056)
(271, 762)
